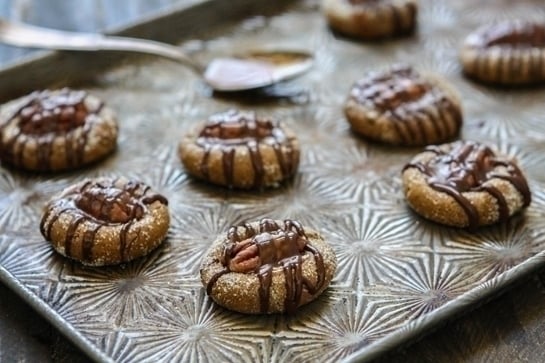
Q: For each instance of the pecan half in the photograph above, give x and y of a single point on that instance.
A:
(246, 257)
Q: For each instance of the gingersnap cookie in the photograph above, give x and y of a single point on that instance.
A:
(507, 53)
(465, 184)
(241, 150)
(57, 130)
(106, 221)
(268, 267)
(371, 19)
(402, 107)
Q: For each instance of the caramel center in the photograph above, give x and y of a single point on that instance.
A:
(235, 129)
(55, 113)
(109, 204)
(466, 167)
(390, 91)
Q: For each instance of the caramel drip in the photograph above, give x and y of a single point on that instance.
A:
(230, 131)
(99, 204)
(465, 168)
(45, 118)
(278, 247)
(405, 97)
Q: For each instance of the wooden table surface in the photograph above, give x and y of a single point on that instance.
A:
(510, 328)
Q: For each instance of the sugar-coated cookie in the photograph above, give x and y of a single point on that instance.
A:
(106, 221)
(268, 266)
(465, 184)
(241, 150)
(56, 130)
(400, 106)
(371, 19)
(507, 53)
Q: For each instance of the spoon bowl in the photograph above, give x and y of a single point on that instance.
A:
(255, 69)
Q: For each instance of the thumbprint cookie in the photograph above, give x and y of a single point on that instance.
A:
(57, 130)
(465, 184)
(268, 266)
(402, 107)
(371, 19)
(106, 221)
(507, 53)
(241, 150)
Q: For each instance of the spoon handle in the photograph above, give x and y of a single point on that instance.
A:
(24, 35)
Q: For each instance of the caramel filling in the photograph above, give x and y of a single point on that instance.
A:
(231, 130)
(53, 113)
(109, 204)
(393, 90)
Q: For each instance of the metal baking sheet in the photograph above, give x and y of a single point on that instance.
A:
(399, 276)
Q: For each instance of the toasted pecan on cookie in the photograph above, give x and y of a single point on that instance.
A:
(268, 266)
(106, 221)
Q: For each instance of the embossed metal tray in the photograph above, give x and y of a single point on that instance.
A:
(398, 276)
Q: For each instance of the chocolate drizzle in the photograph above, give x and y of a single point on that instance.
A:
(233, 131)
(466, 167)
(95, 204)
(278, 246)
(409, 100)
(48, 116)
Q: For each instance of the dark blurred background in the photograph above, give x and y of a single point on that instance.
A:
(78, 15)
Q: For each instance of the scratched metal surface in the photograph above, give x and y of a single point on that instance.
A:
(398, 275)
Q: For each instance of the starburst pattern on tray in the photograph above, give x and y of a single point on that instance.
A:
(193, 231)
(496, 249)
(357, 163)
(193, 328)
(166, 176)
(508, 122)
(386, 196)
(421, 287)
(536, 210)
(126, 292)
(529, 157)
(437, 29)
(117, 346)
(307, 199)
(90, 323)
(330, 331)
(31, 259)
(488, 11)
(370, 245)
(21, 198)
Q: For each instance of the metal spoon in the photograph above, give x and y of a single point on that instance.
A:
(253, 70)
